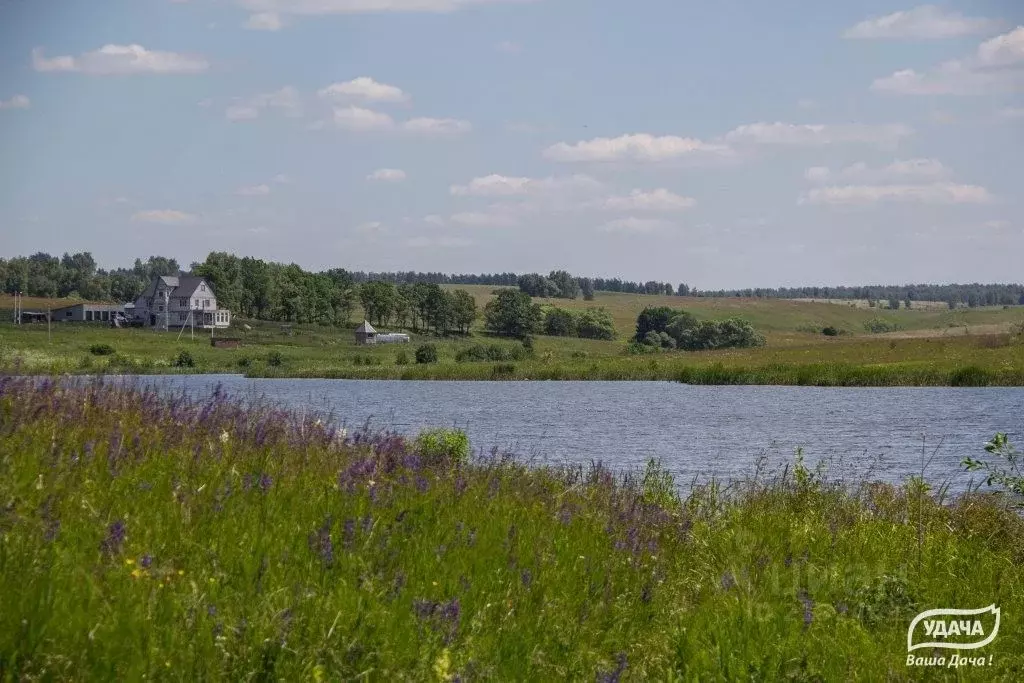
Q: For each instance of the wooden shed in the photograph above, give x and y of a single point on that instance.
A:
(365, 334)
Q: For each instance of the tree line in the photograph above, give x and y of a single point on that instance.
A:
(257, 288)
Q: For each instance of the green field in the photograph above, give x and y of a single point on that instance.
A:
(934, 347)
(162, 538)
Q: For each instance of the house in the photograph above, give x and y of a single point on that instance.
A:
(87, 313)
(171, 302)
(365, 334)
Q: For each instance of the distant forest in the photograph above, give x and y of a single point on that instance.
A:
(276, 291)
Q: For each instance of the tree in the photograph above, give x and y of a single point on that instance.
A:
(595, 323)
(653, 319)
(587, 287)
(463, 310)
(683, 289)
(568, 287)
(512, 313)
(560, 322)
(378, 300)
(537, 285)
(680, 325)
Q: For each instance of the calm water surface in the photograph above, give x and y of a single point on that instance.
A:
(697, 431)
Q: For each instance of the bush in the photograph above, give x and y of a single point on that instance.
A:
(478, 353)
(880, 325)
(438, 446)
(559, 322)
(101, 350)
(596, 323)
(244, 362)
(528, 343)
(402, 358)
(830, 331)
(427, 353)
(733, 333)
(275, 359)
(184, 360)
(636, 349)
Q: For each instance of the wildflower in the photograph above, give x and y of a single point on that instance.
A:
(111, 545)
(728, 581)
(129, 562)
(181, 572)
(224, 436)
(136, 573)
(615, 675)
(320, 542)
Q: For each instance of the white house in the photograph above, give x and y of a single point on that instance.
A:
(171, 302)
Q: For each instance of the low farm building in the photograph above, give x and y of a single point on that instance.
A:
(365, 334)
(87, 313)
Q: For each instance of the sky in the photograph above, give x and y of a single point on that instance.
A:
(731, 144)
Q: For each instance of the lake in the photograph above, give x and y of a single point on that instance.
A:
(696, 431)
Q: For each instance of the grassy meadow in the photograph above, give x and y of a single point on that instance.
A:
(153, 536)
(965, 347)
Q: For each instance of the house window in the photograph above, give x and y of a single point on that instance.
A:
(67, 314)
(88, 316)
(206, 303)
(161, 308)
(105, 315)
(181, 316)
(202, 288)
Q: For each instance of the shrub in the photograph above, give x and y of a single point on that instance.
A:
(559, 322)
(244, 362)
(402, 358)
(1007, 476)
(275, 359)
(720, 334)
(830, 331)
(596, 323)
(427, 353)
(101, 350)
(636, 349)
(880, 325)
(528, 343)
(184, 360)
(479, 353)
(438, 446)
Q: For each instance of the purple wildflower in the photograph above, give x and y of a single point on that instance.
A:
(146, 561)
(111, 545)
(728, 581)
(615, 675)
(808, 604)
(265, 482)
(320, 543)
(526, 577)
(348, 534)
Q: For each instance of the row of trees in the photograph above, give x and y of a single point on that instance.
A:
(954, 295)
(76, 275)
(425, 306)
(666, 327)
(592, 323)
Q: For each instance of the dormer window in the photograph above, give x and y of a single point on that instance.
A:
(202, 287)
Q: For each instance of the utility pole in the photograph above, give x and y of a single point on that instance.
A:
(49, 335)
(167, 310)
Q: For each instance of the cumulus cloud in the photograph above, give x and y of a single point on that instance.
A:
(286, 100)
(163, 217)
(264, 21)
(442, 127)
(322, 7)
(634, 225)
(16, 102)
(387, 175)
(359, 119)
(364, 89)
(996, 66)
(660, 200)
(926, 22)
(901, 169)
(505, 186)
(813, 135)
(936, 193)
(115, 60)
(636, 147)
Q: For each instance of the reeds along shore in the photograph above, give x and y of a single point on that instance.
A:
(153, 535)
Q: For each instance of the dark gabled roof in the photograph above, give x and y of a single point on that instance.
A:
(366, 328)
(180, 286)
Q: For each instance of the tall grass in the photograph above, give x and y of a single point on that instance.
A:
(154, 536)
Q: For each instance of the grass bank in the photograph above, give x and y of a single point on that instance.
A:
(313, 351)
(154, 536)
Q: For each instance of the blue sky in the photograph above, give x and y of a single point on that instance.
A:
(727, 144)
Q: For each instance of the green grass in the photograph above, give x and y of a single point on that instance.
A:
(917, 355)
(158, 538)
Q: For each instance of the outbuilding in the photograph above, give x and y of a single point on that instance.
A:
(365, 334)
(87, 313)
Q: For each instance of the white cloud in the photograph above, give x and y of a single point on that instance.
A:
(1010, 113)
(359, 119)
(936, 193)
(16, 102)
(253, 190)
(812, 135)
(164, 217)
(364, 89)
(113, 60)
(483, 220)
(504, 186)
(634, 225)
(996, 66)
(322, 7)
(281, 179)
(656, 200)
(434, 220)
(429, 126)
(901, 169)
(264, 21)
(921, 23)
(638, 147)
(387, 175)
(285, 100)
(368, 228)
(442, 242)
